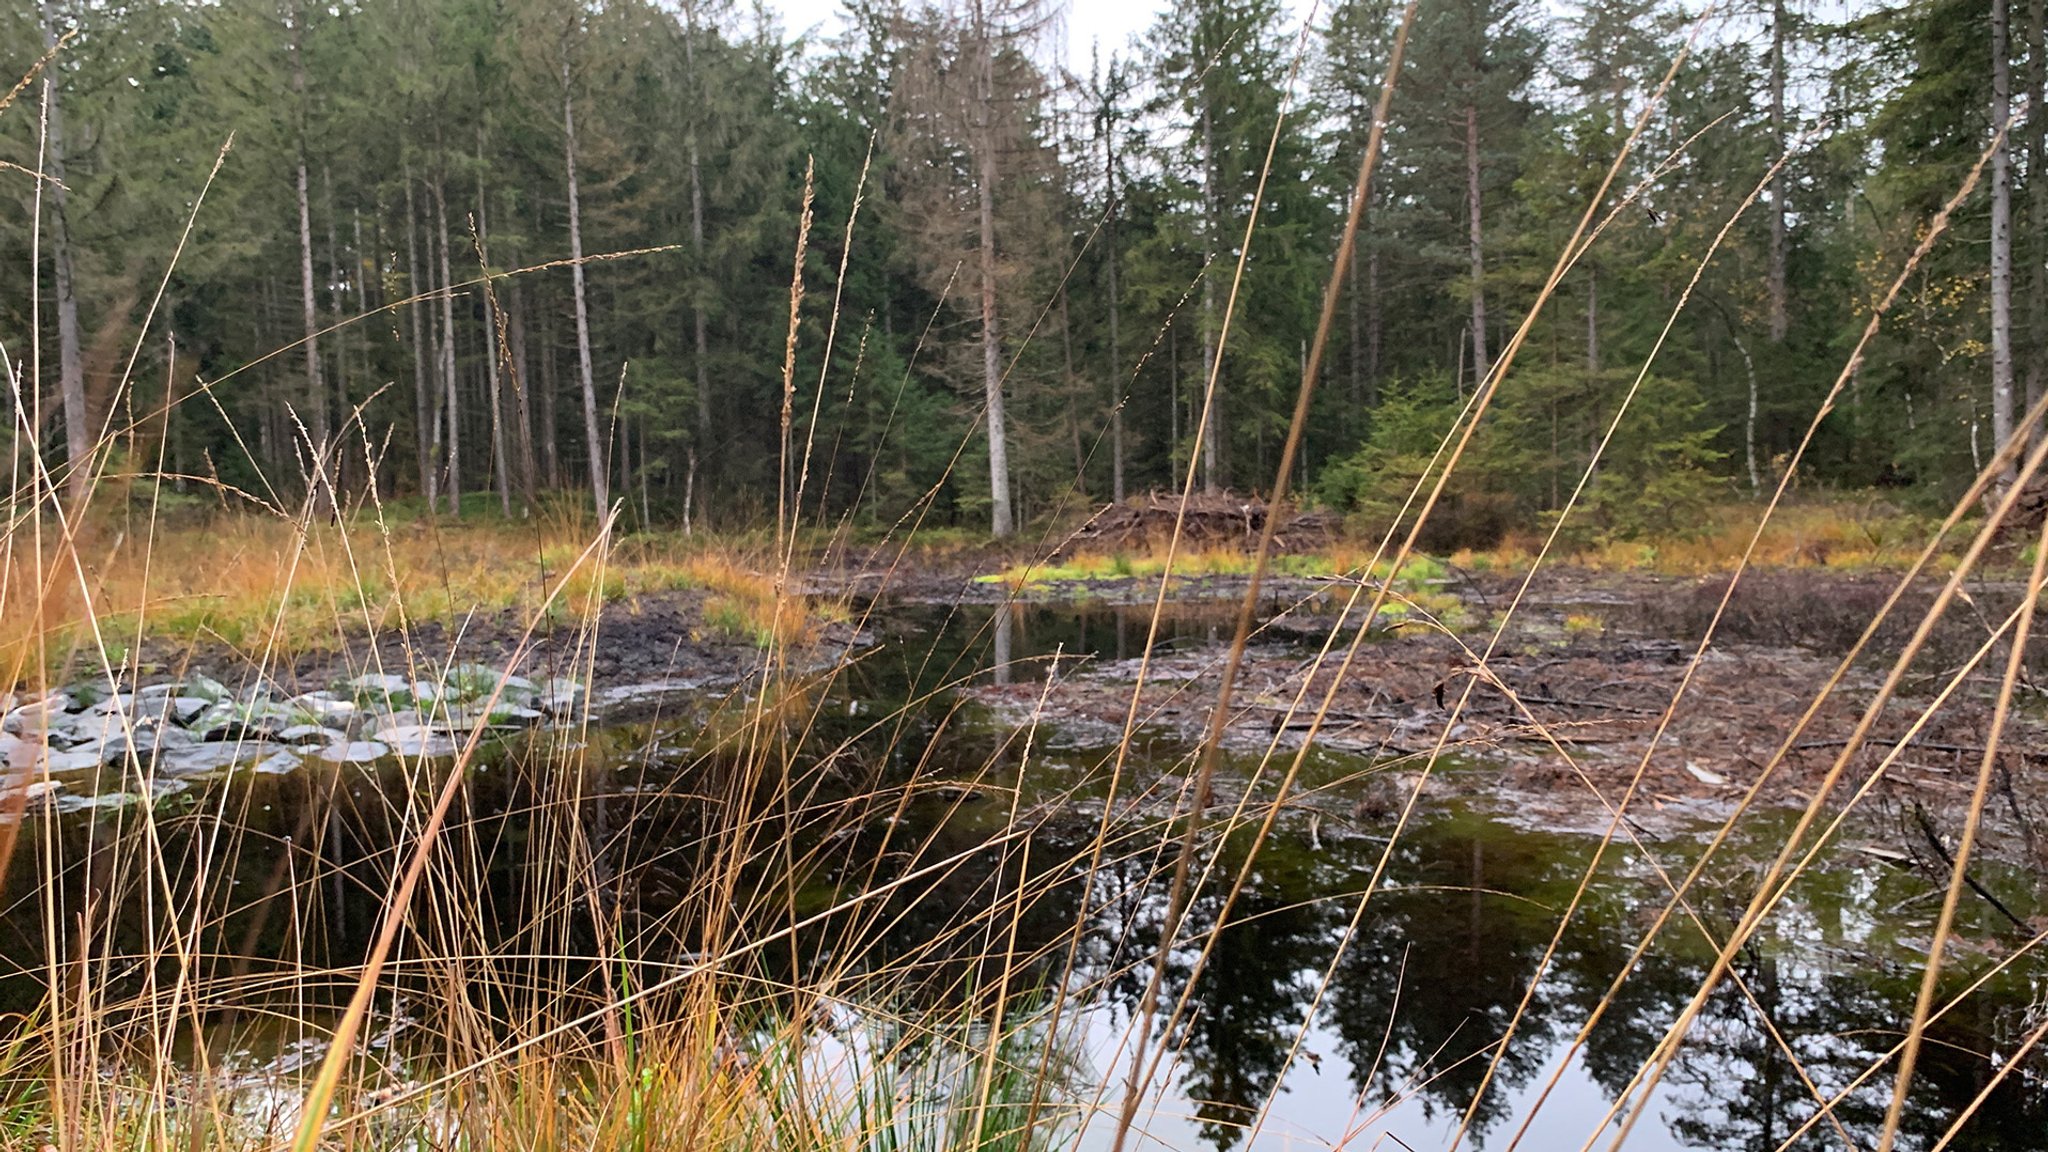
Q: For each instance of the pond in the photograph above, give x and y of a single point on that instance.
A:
(915, 832)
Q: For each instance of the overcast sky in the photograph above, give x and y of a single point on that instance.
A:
(1111, 22)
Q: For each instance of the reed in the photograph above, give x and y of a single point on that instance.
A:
(721, 929)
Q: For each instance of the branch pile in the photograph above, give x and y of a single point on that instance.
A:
(1211, 520)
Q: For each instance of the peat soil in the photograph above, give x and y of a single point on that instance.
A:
(1600, 685)
(648, 638)
(1561, 718)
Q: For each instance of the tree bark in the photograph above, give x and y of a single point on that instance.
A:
(316, 392)
(1372, 323)
(422, 390)
(594, 440)
(550, 428)
(2037, 190)
(1209, 427)
(991, 338)
(1069, 389)
(697, 250)
(1116, 355)
(2001, 230)
(1592, 322)
(522, 389)
(1352, 300)
(1775, 275)
(1749, 417)
(78, 430)
(501, 465)
(1481, 367)
(337, 298)
(1173, 402)
(337, 301)
(453, 403)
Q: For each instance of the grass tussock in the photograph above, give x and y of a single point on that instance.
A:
(1838, 533)
(725, 934)
(252, 582)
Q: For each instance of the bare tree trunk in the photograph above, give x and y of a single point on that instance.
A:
(646, 513)
(1173, 402)
(625, 442)
(1775, 282)
(2001, 230)
(1749, 417)
(78, 430)
(1071, 392)
(358, 274)
(421, 389)
(337, 296)
(991, 338)
(689, 484)
(697, 250)
(337, 300)
(1372, 323)
(1592, 322)
(1481, 367)
(1116, 355)
(501, 465)
(316, 392)
(259, 337)
(2037, 190)
(594, 440)
(550, 428)
(1357, 333)
(522, 389)
(453, 402)
(1211, 398)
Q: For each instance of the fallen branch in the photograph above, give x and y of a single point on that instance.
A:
(1934, 842)
(1965, 749)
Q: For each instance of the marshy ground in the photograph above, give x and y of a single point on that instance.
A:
(949, 773)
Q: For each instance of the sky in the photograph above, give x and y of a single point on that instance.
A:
(1111, 22)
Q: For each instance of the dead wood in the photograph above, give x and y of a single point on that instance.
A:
(1209, 520)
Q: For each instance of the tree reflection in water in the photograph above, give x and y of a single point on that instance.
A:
(1433, 976)
(1445, 954)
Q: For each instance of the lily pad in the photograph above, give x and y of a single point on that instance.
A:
(71, 761)
(312, 734)
(354, 752)
(212, 757)
(278, 763)
(417, 740)
(34, 716)
(374, 686)
(324, 706)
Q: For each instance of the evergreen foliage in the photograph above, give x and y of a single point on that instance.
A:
(394, 164)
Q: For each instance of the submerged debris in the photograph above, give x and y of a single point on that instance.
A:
(91, 745)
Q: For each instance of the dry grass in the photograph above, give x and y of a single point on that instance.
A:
(568, 1000)
(1843, 533)
(248, 581)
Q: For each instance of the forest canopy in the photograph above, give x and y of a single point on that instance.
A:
(1046, 265)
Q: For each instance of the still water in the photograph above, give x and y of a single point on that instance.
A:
(1301, 1031)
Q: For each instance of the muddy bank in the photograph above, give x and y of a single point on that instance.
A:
(1572, 700)
(643, 639)
(1571, 704)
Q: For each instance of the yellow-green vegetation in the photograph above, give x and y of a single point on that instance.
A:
(1838, 533)
(257, 583)
(1418, 588)
(1344, 561)
(726, 1071)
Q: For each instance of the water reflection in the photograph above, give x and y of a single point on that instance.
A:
(1413, 1007)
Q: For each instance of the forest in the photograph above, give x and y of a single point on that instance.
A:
(1440, 573)
(503, 249)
